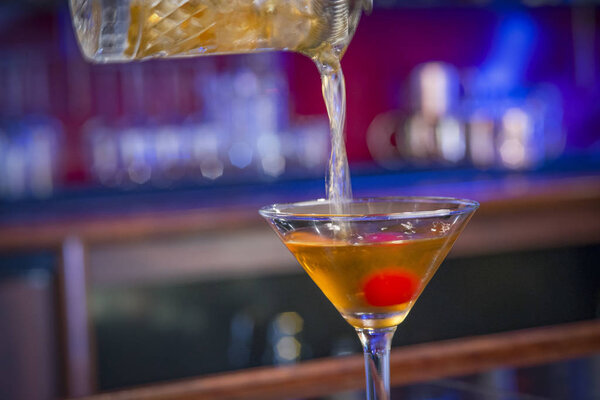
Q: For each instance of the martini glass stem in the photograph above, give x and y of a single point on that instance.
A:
(376, 346)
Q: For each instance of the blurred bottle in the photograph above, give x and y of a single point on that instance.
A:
(434, 132)
(431, 132)
(30, 138)
(481, 129)
(515, 132)
(100, 134)
(123, 30)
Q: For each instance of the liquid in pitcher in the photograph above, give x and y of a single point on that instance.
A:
(123, 30)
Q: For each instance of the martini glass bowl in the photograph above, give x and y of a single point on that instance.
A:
(372, 258)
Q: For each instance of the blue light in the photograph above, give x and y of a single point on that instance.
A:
(510, 53)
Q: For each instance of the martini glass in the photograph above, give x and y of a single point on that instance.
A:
(372, 260)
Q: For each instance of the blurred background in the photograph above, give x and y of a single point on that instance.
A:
(128, 192)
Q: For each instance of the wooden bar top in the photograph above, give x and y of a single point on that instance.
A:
(411, 364)
(554, 210)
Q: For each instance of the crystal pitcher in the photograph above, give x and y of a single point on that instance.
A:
(124, 30)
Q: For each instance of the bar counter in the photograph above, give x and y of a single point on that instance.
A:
(125, 239)
(516, 212)
(407, 366)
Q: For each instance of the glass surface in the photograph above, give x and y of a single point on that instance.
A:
(373, 261)
(122, 30)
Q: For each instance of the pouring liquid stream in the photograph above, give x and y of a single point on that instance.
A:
(338, 186)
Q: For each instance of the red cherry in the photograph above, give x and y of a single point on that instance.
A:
(390, 287)
(381, 237)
